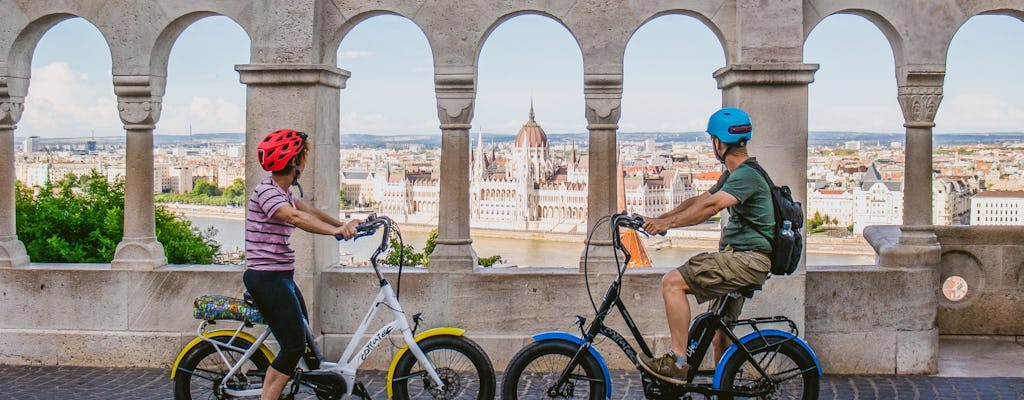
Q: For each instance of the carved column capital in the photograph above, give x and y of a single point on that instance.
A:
(10, 112)
(456, 91)
(138, 104)
(139, 113)
(603, 94)
(12, 100)
(919, 104)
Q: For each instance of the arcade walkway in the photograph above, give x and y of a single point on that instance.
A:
(970, 368)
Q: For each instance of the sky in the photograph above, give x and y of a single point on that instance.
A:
(668, 84)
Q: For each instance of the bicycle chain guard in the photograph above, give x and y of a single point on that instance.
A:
(658, 390)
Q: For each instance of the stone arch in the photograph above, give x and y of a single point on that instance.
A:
(954, 79)
(896, 40)
(980, 10)
(678, 73)
(331, 50)
(991, 8)
(504, 18)
(168, 36)
(728, 51)
(19, 60)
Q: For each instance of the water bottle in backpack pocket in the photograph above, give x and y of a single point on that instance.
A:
(788, 244)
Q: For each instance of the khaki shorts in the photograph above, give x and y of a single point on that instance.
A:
(713, 275)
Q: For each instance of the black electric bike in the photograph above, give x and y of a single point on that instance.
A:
(766, 363)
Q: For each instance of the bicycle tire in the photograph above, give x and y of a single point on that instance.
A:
(535, 368)
(462, 364)
(779, 357)
(203, 357)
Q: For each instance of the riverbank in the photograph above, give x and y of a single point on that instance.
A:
(201, 211)
(694, 238)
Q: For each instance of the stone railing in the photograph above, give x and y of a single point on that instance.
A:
(859, 319)
(989, 261)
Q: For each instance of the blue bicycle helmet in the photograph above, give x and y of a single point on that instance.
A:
(730, 126)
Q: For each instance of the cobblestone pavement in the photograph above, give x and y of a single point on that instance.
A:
(32, 382)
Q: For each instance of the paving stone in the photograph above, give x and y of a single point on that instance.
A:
(88, 383)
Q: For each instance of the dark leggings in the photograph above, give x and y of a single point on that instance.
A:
(282, 306)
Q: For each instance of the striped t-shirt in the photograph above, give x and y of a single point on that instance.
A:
(266, 237)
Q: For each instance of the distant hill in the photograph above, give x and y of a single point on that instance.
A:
(434, 140)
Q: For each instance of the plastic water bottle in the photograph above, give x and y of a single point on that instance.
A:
(787, 229)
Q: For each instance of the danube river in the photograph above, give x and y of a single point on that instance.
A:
(521, 252)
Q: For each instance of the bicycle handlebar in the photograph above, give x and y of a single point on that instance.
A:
(631, 221)
(368, 227)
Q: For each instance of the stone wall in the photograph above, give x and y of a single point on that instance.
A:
(135, 311)
(93, 315)
(991, 261)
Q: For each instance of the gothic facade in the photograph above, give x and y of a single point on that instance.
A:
(528, 185)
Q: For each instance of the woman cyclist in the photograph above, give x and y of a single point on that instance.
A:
(272, 215)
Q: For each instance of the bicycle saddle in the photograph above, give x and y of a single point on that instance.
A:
(748, 291)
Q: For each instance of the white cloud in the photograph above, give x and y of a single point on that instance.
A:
(353, 54)
(204, 115)
(354, 122)
(62, 102)
(978, 112)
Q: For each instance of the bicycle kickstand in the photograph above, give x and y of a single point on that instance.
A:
(290, 395)
(360, 391)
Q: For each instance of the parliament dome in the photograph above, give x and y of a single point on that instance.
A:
(531, 134)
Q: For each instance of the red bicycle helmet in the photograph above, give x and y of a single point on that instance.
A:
(277, 148)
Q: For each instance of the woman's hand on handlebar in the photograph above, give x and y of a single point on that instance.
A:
(656, 226)
(348, 230)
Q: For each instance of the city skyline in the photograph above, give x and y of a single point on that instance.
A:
(667, 82)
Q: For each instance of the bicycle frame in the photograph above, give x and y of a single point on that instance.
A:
(701, 335)
(350, 360)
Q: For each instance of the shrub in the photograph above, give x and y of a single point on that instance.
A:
(81, 220)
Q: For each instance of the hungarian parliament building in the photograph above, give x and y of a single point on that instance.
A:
(530, 188)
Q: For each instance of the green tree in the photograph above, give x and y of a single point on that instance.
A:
(488, 262)
(428, 247)
(411, 257)
(204, 188)
(235, 192)
(81, 220)
(402, 253)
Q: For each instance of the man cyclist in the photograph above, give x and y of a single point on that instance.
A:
(272, 214)
(742, 257)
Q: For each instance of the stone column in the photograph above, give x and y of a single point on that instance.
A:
(456, 90)
(603, 93)
(12, 250)
(305, 98)
(919, 98)
(138, 103)
(775, 96)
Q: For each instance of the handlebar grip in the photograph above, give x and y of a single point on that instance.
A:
(367, 226)
(358, 235)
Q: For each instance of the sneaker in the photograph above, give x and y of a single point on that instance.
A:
(664, 368)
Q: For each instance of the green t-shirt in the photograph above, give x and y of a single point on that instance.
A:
(755, 204)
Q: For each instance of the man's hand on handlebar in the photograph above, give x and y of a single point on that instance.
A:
(656, 226)
(347, 230)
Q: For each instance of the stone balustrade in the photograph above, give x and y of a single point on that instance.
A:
(136, 310)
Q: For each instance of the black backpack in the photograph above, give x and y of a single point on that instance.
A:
(787, 245)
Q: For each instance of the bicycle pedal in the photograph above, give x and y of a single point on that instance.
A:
(360, 391)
